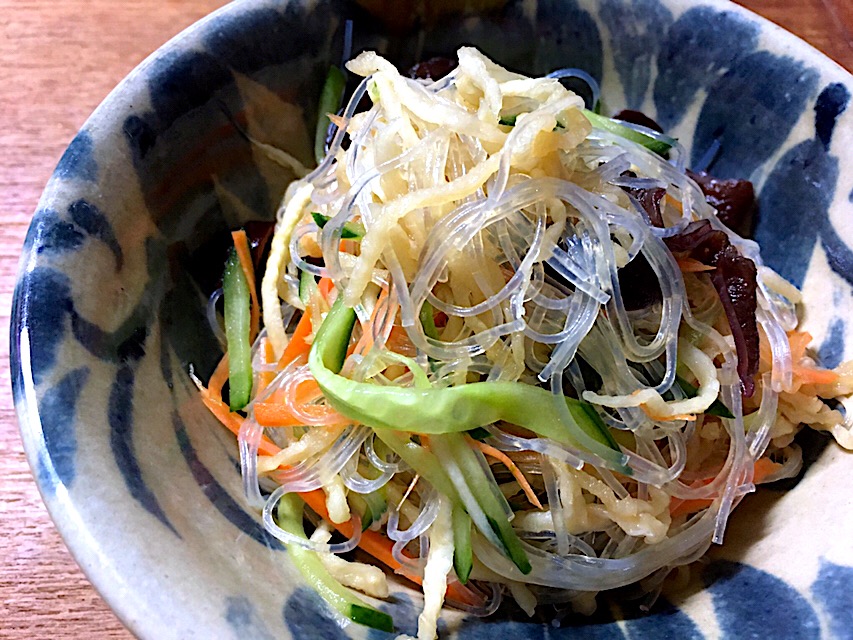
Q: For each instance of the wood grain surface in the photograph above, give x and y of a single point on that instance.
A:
(58, 59)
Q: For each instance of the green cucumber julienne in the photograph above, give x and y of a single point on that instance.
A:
(330, 102)
(484, 491)
(656, 145)
(428, 321)
(350, 230)
(717, 408)
(235, 291)
(371, 505)
(307, 287)
(289, 518)
(463, 553)
(453, 409)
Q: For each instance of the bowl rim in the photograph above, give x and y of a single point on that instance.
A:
(74, 532)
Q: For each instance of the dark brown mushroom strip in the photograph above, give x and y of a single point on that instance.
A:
(432, 69)
(734, 200)
(650, 200)
(638, 284)
(735, 279)
(638, 117)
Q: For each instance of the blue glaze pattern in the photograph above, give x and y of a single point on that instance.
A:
(806, 175)
(702, 44)
(773, 90)
(53, 235)
(832, 591)
(45, 303)
(633, 53)
(752, 604)
(308, 618)
(78, 161)
(89, 218)
(167, 470)
(58, 410)
(557, 35)
(244, 621)
(120, 416)
(831, 350)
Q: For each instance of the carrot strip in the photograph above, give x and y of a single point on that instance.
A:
(233, 421)
(762, 468)
(270, 414)
(798, 341)
(241, 246)
(804, 374)
(365, 342)
(219, 377)
(499, 455)
(813, 375)
(325, 286)
(297, 345)
(266, 377)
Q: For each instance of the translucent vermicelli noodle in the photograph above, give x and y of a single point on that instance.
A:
(509, 339)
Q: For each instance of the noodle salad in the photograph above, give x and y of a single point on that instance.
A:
(504, 346)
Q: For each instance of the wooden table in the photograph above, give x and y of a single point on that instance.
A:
(58, 59)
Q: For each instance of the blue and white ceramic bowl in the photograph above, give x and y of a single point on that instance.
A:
(143, 483)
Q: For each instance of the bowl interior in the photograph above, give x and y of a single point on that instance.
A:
(128, 240)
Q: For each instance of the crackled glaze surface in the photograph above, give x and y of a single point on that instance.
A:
(107, 320)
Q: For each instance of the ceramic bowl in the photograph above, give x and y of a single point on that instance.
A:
(144, 485)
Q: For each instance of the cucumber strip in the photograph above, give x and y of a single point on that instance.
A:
(235, 290)
(656, 145)
(428, 321)
(420, 459)
(463, 554)
(307, 287)
(370, 617)
(589, 420)
(450, 409)
(717, 407)
(372, 506)
(453, 445)
(330, 102)
(341, 599)
(350, 230)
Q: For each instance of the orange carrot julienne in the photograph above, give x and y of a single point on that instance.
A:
(798, 341)
(270, 414)
(298, 345)
(241, 246)
(325, 287)
(804, 374)
(365, 342)
(762, 469)
(499, 455)
(814, 375)
(219, 377)
(233, 421)
(266, 377)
